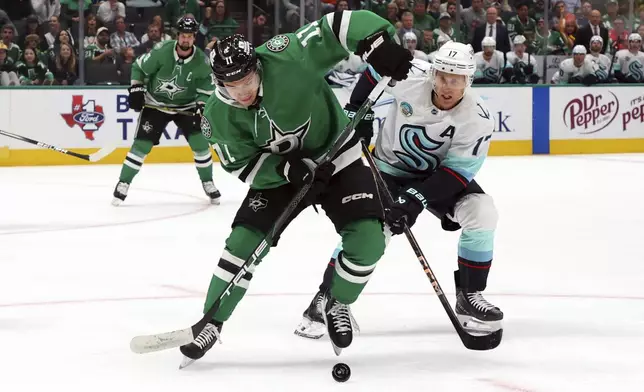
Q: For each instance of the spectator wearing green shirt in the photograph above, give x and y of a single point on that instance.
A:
(175, 9)
(31, 71)
(522, 24)
(547, 41)
(217, 24)
(69, 8)
(13, 50)
(422, 20)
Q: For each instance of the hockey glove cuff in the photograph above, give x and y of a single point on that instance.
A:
(405, 210)
(136, 97)
(364, 128)
(590, 80)
(385, 56)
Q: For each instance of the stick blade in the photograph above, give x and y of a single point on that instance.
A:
(102, 153)
(481, 342)
(163, 341)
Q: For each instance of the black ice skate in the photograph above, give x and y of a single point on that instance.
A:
(211, 191)
(312, 324)
(338, 320)
(476, 314)
(120, 193)
(202, 343)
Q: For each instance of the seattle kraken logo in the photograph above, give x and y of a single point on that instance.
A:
(491, 74)
(635, 68)
(417, 148)
(601, 73)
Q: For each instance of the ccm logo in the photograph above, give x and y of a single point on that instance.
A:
(357, 196)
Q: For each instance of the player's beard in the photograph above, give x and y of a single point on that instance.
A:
(185, 47)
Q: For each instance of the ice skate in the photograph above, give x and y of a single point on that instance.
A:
(312, 324)
(202, 343)
(211, 191)
(120, 193)
(338, 319)
(476, 314)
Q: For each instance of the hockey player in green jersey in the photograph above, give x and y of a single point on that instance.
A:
(272, 117)
(173, 77)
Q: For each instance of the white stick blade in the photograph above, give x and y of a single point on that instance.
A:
(163, 341)
(102, 153)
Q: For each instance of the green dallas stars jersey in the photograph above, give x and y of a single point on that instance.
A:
(516, 27)
(171, 81)
(297, 109)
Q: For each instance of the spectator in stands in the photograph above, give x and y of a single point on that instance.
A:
(158, 20)
(586, 10)
(31, 27)
(33, 41)
(473, 17)
(522, 24)
(17, 9)
(50, 37)
(70, 9)
(637, 22)
(402, 8)
(611, 14)
(538, 10)
(572, 5)
(175, 9)
(594, 27)
(548, 41)
(151, 38)
(100, 51)
(429, 42)
(640, 31)
(378, 7)
(408, 26)
(64, 66)
(124, 65)
(434, 9)
(5, 20)
(261, 32)
(458, 35)
(45, 9)
(217, 24)
(8, 76)
(557, 15)
(342, 5)
(569, 31)
(392, 15)
(492, 28)
(422, 20)
(109, 10)
(91, 28)
(444, 5)
(618, 34)
(31, 71)
(13, 50)
(122, 39)
(63, 38)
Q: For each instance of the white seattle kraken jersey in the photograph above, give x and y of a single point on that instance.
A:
(418, 137)
(512, 59)
(430, 57)
(630, 64)
(603, 63)
(568, 69)
(420, 55)
(489, 70)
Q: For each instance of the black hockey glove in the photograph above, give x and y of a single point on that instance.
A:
(631, 79)
(136, 99)
(300, 171)
(575, 80)
(508, 74)
(196, 118)
(590, 80)
(405, 210)
(529, 69)
(620, 76)
(533, 79)
(364, 128)
(385, 56)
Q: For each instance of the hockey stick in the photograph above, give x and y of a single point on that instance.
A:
(95, 157)
(472, 342)
(166, 340)
(171, 110)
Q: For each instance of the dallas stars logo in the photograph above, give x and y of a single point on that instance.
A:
(282, 142)
(278, 43)
(169, 87)
(257, 202)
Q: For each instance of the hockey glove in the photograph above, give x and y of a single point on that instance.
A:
(529, 69)
(300, 171)
(508, 74)
(574, 80)
(364, 128)
(136, 99)
(385, 56)
(620, 76)
(196, 118)
(631, 79)
(405, 210)
(590, 80)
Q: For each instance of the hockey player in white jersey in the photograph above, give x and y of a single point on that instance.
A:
(489, 63)
(520, 66)
(409, 42)
(629, 63)
(602, 61)
(577, 70)
(435, 139)
(440, 41)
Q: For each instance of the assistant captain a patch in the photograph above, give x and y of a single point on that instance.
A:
(278, 43)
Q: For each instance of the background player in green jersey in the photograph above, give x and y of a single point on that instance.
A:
(272, 117)
(174, 76)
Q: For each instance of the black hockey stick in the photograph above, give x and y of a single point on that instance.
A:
(166, 340)
(472, 342)
(97, 156)
(171, 110)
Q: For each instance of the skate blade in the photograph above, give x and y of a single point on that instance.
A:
(337, 350)
(215, 202)
(479, 327)
(310, 329)
(185, 362)
(116, 202)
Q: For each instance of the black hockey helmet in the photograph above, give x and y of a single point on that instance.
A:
(233, 58)
(187, 24)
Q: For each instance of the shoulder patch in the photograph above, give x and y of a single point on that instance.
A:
(278, 43)
(206, 130)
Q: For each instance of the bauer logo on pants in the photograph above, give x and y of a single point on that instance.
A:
(88, 116)
(257, 202)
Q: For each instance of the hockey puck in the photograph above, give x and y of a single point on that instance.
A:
(341, 372)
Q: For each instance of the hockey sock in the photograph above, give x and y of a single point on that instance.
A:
(363, 244)
(239, 246)
(134, 160)
(475, 248)
(203, 157)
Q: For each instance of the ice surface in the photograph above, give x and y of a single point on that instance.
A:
(79, 278)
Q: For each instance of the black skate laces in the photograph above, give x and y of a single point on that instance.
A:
(478, 302)
(206, 336)
(341, 317)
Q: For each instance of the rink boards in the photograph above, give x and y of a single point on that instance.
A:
(528, 120)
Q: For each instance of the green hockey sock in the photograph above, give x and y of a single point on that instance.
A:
(134, 160)
(202, 155)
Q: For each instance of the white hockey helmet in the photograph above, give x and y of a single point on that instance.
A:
(409, 37)
(455, 58)
(442, 40)
(596, 38)
(488, 41)
(519, 40)
(579, 49)
(634, 37)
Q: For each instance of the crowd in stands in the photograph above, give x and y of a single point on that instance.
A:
(41, 40)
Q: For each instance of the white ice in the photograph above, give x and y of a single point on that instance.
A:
(79, 278)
